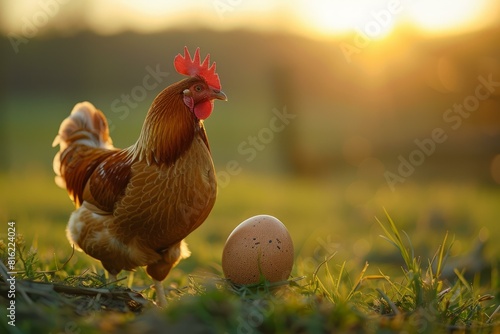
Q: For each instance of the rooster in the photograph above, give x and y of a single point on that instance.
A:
(135, 206)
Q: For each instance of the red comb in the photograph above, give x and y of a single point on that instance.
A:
(193, 67)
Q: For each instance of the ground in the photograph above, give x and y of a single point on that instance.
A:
(346, 277)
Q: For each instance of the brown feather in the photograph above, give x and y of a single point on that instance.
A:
(108, 182)
(169, 127)
(78, 162)
(163, 204)
(138, 204)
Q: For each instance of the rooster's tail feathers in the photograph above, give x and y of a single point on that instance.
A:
(85, 126)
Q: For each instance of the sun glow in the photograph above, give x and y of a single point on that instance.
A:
(151, 8)
(431, 15)
(378, 18)
(329, 17)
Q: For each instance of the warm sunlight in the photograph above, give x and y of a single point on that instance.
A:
(153, 8)
(328, 17)
(377, 18)
(447, 15)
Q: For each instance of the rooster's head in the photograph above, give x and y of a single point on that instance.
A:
(200, 95)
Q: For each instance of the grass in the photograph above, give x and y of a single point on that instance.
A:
(332, 287)
(345, 278)
(454, 306)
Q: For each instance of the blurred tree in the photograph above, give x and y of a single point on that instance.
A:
(290, 152)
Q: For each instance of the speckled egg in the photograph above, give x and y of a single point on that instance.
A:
(261, 245)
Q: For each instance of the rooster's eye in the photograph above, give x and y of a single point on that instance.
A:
(198, 88)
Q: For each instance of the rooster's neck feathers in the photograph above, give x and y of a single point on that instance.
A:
(169, 128)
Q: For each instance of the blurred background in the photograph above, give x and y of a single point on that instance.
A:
(335, 111)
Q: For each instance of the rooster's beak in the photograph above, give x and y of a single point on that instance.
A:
(219, 95)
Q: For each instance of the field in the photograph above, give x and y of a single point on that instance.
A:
(339, 294)
(419, 256)
(335, 232)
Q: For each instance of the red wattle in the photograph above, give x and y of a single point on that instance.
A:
(203, 109)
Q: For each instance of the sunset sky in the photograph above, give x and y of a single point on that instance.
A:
(319, 18)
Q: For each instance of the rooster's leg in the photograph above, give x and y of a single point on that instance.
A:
(161, 300)
(159, 270)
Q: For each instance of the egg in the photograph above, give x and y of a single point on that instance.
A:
(261, 245)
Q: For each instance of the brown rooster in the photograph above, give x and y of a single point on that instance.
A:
(135, 206)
